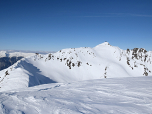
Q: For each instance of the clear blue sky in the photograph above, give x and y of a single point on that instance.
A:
(51, 25)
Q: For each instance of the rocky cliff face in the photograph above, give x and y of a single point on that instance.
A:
(138, 57)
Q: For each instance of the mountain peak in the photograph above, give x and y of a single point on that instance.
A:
(105, 43)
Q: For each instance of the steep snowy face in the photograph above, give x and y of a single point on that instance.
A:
(76, 64)
(105, 50)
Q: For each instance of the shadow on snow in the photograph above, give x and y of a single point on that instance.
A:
(35, 76)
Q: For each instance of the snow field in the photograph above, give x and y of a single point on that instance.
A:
(106, 96)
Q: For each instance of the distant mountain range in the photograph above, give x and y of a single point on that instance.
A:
(9, 58)
(76, 64)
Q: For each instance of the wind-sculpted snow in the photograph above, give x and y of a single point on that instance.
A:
(103, 96)
(77, 64)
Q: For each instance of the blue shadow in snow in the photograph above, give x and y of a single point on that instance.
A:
(35, 78)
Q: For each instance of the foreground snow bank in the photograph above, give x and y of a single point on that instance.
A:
(103, 96)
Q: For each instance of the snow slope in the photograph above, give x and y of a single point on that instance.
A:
(77, 64)
(132, 95)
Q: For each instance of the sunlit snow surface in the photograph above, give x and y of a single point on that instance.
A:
(99, 80)
(76, 64)
(103, 96)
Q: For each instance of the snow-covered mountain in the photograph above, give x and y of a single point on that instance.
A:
(77, 64)
(104, 79)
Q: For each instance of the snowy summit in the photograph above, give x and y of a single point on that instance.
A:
(104, 44)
